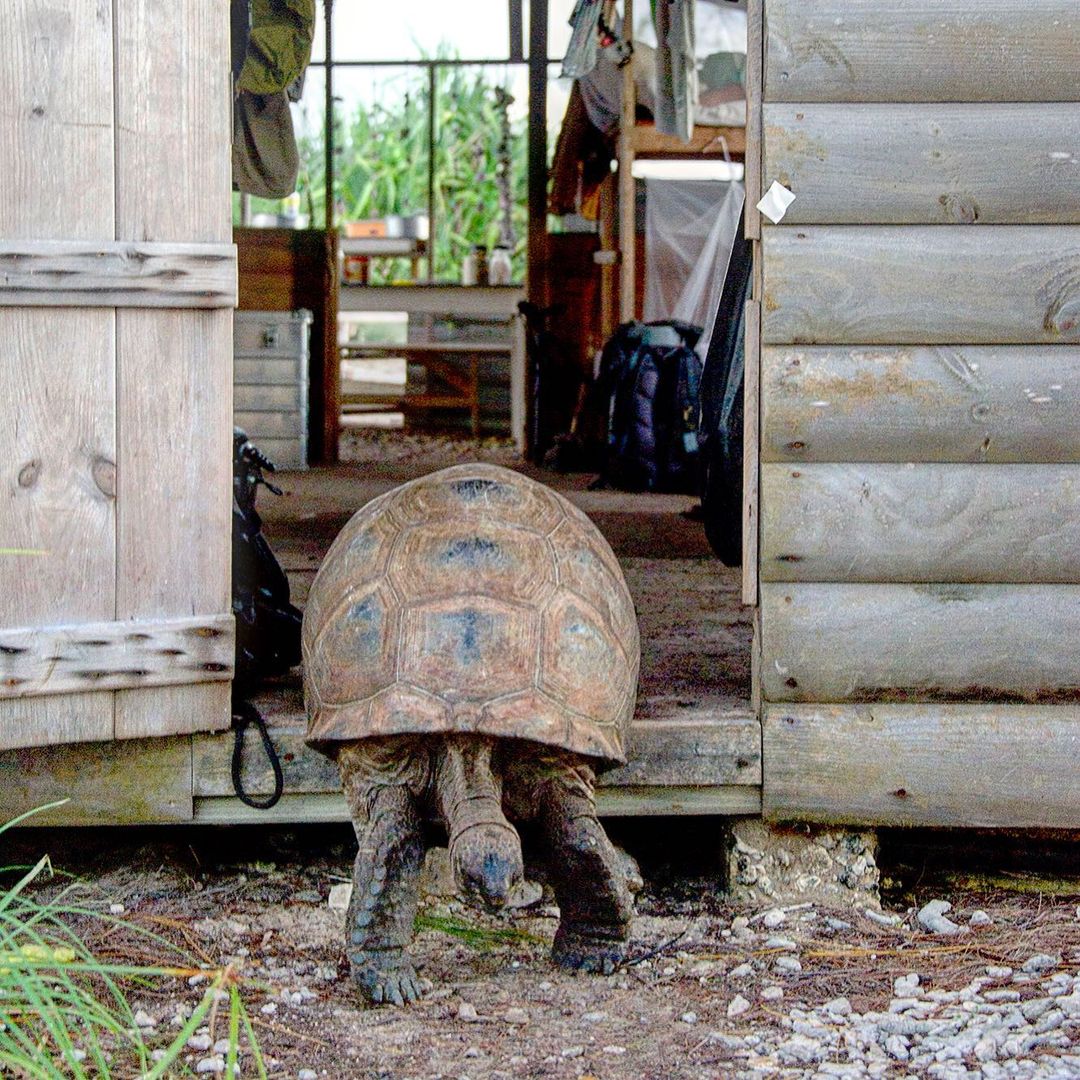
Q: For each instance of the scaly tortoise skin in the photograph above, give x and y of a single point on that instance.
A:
(471, 653)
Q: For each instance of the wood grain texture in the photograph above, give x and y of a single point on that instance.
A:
(944, 643)
(62, 273)
(174, 367)
(138, 782)
(954, 164)
(755, 26)
(751, 453)
(738, 800)
(921, 523)
(922, 50)
(114, 655)
(719, 752)
(950, 766)
(920, 284)
(56, 82)
(58, 444)
(964, 403)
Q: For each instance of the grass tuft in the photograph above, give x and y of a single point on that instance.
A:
(66, 1015)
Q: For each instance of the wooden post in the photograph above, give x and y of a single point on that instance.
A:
(536, 274)
(328, 131)
(627, 193)
(608, 277)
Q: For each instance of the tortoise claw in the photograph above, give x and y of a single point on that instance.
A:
(385, 978)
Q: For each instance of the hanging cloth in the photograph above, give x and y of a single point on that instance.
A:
(279, 44)
(265, 161)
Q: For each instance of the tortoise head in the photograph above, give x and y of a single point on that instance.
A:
(485, 850)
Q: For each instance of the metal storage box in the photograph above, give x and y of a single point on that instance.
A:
(270, 382)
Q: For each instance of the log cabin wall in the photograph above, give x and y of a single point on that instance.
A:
(117, 283)
(919, 390)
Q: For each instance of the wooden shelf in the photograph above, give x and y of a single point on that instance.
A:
(705, 142)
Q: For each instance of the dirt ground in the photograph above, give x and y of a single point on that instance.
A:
(258, 900)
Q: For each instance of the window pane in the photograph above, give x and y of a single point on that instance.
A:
(421, 29)
(481, 165)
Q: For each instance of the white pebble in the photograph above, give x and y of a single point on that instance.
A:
(200, 1042)
(837, 924)
(211, 1065)
(772, 993)
(269, 1008)
(689, 1018)
(838, 1006)
(999, 972)
(221, 1046)
(516, 1016)
(743, 971)
(307, 1074)
(1040, 962)
(774, 918)
(144, 1019)
(614, 1049)
(117, 909)
(340, 896)
(979, 918)
(787, 964)
(467, 1012)
(932, 917)
(573, 1051)
(472, 1052)
(738, 1006)
(196, 979)
(780, 943)
(593, 1017)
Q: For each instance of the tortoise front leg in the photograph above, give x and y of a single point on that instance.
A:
(589, 877)
(386, 886)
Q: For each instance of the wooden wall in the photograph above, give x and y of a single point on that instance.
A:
(116, 288)
(919, 375)
(288, 269)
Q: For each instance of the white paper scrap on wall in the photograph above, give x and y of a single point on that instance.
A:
(776, 202)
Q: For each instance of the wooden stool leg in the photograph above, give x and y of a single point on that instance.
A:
(474, 394)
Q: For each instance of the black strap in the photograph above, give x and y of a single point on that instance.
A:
(243, 714)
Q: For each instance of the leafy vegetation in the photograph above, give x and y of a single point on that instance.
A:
(381, 165)
(66, 1015)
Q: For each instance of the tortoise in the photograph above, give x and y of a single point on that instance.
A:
(471, 654)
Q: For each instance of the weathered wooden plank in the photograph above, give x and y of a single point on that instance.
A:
(56, 82)
(751, 453)
(922, 50)
(738, 800)
(718, 752)
(965, 403)
(58, 444)
(137, 782)
(921, 284)
(978, 766)
(114, 655)
(836, 643)
(174, 367)
(926, 523)
(952, 164)
(67, 273)
(755, 27)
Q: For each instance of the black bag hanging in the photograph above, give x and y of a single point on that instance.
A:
(651, 376)
(267, 623)
(721, 430)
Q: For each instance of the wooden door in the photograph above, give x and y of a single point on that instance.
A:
(117, 280)
(918, 476)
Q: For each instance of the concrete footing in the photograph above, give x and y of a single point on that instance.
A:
(832, 867)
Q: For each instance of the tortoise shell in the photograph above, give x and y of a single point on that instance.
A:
(472, 600)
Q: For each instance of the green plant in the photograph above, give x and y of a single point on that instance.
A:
(65, 1014)
(381, 164)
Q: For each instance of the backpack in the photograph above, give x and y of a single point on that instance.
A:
(651, 376)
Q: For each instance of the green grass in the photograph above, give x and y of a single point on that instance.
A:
(66, 1014)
